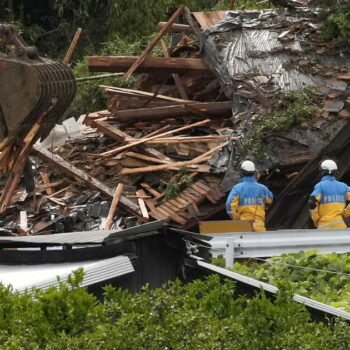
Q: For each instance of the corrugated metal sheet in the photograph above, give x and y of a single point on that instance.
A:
(246, 42)
(86, 237)
(45, 275)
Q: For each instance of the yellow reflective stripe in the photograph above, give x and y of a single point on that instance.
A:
(331, 223)
(258, 223)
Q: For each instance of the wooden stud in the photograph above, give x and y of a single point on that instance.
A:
(112, 209)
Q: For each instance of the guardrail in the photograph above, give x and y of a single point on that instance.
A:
(272, 243)
(313, 305)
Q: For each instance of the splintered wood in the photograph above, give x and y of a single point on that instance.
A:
(160, 143)
(13, 159)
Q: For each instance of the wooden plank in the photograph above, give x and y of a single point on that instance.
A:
(117, 64)
(158, 215)
(173, 216)
(209, 19)
(203, 185)
(189, 197)
(185, 139)
(176, 204)
(199, 189)
(182, 201)
(143, 94)
(193, 192)
(176, 28)
(172, 208)
(46, 181)
(212, 109)
(191, 211)
(142, 206)
(72, 47)
(110, 130)
(196, 209)
(113, 207)
(23, 220)
(152, 191)
(196, 160)
(213, 193)
(147, 158)
(61, 165)
(158, 131)
(52, 184)
(139, 142)
(154, 42)
(148, 202)
(191, 22)
(17, 167)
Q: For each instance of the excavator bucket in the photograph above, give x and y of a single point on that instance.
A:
(30, 87)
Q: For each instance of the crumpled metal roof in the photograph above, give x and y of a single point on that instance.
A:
(258, 44)
(257, 54)
(43, 276)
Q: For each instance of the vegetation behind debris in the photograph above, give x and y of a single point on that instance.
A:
(323, 277)
(200, 315)
(336, 19)
(288, 109)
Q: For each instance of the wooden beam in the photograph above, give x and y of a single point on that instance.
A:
(109, 130)
(112, 209)
(139, 142)
(69, 169)
(188, 139)
(176, 28)
(18, 163)
(142, 205)
(203, 157)
(152, 191)
(72, 47)
(146, 158)
(142, 94)
(46, 182)
(191, 22)
(217, 109)
(148, 201)
(115, 64)
(154, 42)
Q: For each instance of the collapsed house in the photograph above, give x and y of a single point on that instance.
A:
(236, 84)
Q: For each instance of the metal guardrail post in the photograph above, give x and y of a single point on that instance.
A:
(230, 252)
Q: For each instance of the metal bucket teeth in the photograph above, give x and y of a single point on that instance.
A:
(30, 90)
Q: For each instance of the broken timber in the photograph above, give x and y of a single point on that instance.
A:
(115, 64)
(154, 42)
(217, 109)
(67, 168)
(176, 28)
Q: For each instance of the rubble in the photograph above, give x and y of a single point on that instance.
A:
(259, 84)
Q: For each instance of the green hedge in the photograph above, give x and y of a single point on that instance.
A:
(199, 315)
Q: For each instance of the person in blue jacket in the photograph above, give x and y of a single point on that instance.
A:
(248, 199)
(328, 200)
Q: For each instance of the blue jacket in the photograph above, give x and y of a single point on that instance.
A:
(247, 201)
(331, 197)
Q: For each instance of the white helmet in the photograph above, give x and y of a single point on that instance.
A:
(248, 166)
(329, 166)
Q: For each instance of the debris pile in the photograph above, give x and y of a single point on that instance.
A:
(259, 84)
